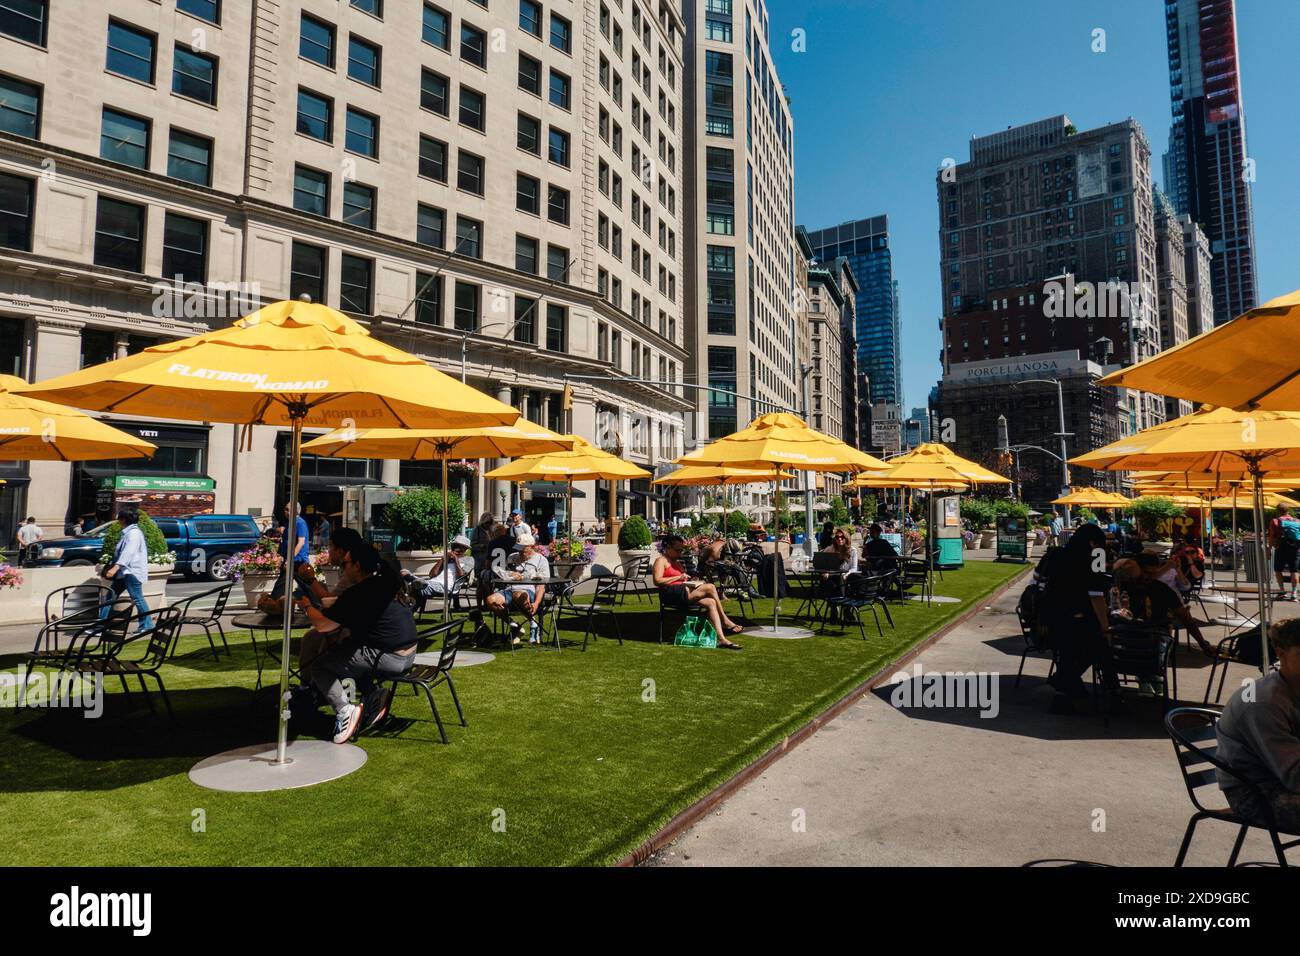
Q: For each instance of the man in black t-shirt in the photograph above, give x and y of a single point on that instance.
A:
(1153, 601)
(380, 642)
(878, 551)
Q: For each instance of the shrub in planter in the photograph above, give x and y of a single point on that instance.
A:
(1148, 513)
(416, 516)
(978, 512)
(634, 535)
(1005, 506)
(737, 524)
(153, 540)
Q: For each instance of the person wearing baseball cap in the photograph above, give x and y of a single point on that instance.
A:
(531, 565)
(445, 573)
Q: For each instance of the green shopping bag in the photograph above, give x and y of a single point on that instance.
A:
(696, 632)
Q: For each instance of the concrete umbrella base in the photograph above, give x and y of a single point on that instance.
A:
(253, 769)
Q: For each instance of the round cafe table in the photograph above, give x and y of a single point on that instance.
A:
(267, 624)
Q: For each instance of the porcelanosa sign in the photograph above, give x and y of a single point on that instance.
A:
(1049, 365)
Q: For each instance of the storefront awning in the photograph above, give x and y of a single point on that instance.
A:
(552, 489)
(334, 482)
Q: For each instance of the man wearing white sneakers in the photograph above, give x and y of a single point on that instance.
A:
(526, 598)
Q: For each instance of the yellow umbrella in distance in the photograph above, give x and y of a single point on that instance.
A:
(1271, 500)
(35, 430)
(288, 363)
(1092, 498)
(884, 481)
(583, 462)
(698, 475)
(1183, 501)
(440, 444)
(935, 462)
(1248, 363)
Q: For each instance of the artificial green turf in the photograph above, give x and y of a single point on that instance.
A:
(563, 748)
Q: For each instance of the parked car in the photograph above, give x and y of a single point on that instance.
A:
(204, 544)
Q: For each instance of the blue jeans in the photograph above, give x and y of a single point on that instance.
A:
(131, 584)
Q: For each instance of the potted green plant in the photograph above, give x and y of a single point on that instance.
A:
(1150, 514)
(415, 514)
(569, 557)
(633, 539)
(162, 560)
(257, 569)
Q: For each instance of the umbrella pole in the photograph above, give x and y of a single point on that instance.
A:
(446, 549)
(297, 413)
(1261, 556)
(776, 549)
(1235, 562)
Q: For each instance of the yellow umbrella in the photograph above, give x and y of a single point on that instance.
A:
(1220, 443)
(1092, 497)
(288, 363)
(1248, 363)
(36, 430)
(786, 441)
(883, 481)
(1271, 500)
(936, 463)
(584, 462)
(440, 444)
(1183, 501)
(690, 476)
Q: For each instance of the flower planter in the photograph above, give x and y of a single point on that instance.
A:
(573, 570)
(417, 562)
(625, 556)
(988, 539)
(256, 585)
(328, 575)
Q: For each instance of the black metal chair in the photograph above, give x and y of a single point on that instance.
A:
(83, 630)
(1192, 731)
(425, 677)
(65, 608)
(1037, 640)
(1141, 653)
(424, 603)
(684, 611)
(861, 591)
(599, 596)
(108, 661)
(632, 579)
(208, 616)
(737, 583)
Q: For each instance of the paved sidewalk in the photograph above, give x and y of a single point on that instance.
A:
(884, 786)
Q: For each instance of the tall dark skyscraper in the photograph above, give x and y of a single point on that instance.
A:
(865, 244)
(1206, 169)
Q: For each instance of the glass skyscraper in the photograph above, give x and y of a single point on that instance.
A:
(865, 244)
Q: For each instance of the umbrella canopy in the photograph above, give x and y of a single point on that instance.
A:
(883, 481)
(440, 444)
(1092, 498)
(785, 440)
(272, 363)
(935, 462)
(288, 363)
(1248, 363)
(583, 462)
(1244, 503)
(692, 475)
(1212, 441)
(1183, 501)
(36, 430)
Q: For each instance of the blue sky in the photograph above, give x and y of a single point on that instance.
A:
(888, 88)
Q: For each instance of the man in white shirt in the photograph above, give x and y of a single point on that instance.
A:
(523, 597)
(129, 568)
(29, 535)
(444, 574)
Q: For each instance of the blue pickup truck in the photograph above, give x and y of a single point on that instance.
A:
(203, 544)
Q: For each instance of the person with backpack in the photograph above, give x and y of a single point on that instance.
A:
(1284, 539)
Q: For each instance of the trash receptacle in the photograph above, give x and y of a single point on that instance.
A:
(1250, 562)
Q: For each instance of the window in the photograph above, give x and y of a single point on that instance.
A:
(472, 108)
(433, 159)
(428, 298)
(437, 27)
(311, 191)
(469, 172)
(530, 134)
(530, 17)
(359, 205)
(124, 139)
(430, 226)
(433, 92)
(466, 307)
(185, 249)
(559, 147)
(189, 157)
(469, 237)
(557, 263)
(354, 284)
(315, 116)
(130, 52)
(528, 194)
(362, 135)
(557, 204)
(530, 75)
(363, 61)
(20, 107)
(194, 75)
(119, 235)
(307, 272)
(373, 7)
(561, 33)
(16, 195)
(557, 328)
(316, 41)
(559, 90)
(525, 320)
(25, 19)
(473, 45)
(526, 254)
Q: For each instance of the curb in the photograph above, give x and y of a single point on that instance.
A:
(696, 811)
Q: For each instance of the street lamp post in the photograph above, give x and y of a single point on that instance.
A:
(1061, 433)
